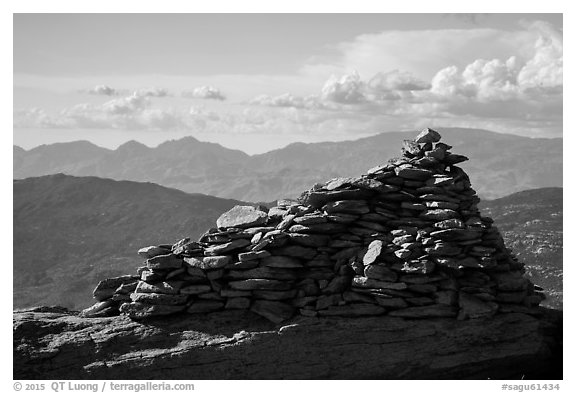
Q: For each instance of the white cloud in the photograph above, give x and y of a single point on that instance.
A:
(520, 82)
(348, 89)
(132, 112)
(35, 118)
(126, 105)
(545, 68)
(506, 88)
(512, 87)
(204, 92)
(396, 80)
(424, 52)
(105, 90)
(102, 90)
(151, 92)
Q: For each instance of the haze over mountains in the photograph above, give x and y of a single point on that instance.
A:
(70, 232)
(499, 165)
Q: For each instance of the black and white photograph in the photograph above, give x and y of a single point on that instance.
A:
(286, 196)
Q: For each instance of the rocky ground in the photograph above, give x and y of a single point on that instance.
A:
(54, 344)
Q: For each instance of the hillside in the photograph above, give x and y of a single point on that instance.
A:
(70, 232)
(531, 224)
(499, 165)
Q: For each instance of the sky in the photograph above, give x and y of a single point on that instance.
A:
(257, 82)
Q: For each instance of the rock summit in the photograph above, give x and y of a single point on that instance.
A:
(406, 239)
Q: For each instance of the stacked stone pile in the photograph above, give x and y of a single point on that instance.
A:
(406, 239)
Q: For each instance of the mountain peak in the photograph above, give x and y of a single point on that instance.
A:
(132, 146)
(82, 144)
(185, 141)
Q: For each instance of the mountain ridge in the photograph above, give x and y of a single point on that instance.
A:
(500, 163)
(405, 132)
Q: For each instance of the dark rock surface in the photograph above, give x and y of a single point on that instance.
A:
(51, 343)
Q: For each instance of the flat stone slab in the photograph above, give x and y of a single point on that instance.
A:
(158, 298)
(373, 252)
(160, 287)
(212, 262)
(143, 310)
(365, 282)
(153, 251)
(162, 262)
(225, 248)
(263, 272)
(348, 206)
(410, 172)
(107, 287)
(242, 217)
(428, 135)
(260, 283)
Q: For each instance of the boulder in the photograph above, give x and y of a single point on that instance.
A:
(153, 251)
(107, 287)
(163, 262)
(373, 252)
(428, 135)
(242, 217)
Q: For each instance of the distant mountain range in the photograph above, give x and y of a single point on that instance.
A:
(70, 232)
(500, 164)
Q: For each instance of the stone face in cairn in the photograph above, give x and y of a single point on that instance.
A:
(106, 288)
(242, 217)
(406, 239)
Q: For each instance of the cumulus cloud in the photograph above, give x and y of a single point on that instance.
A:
(105, 90)
(424, 52)
(151, 92)
(545, 68)
(126, 105)
(511, 87)
(521, 86)
(396, 80)
(497, 80)
(204, 92)
(102, 90)
(348, 89)
(35, 118)
(131, 112)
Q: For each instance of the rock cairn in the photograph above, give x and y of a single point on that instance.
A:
(405, 239)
